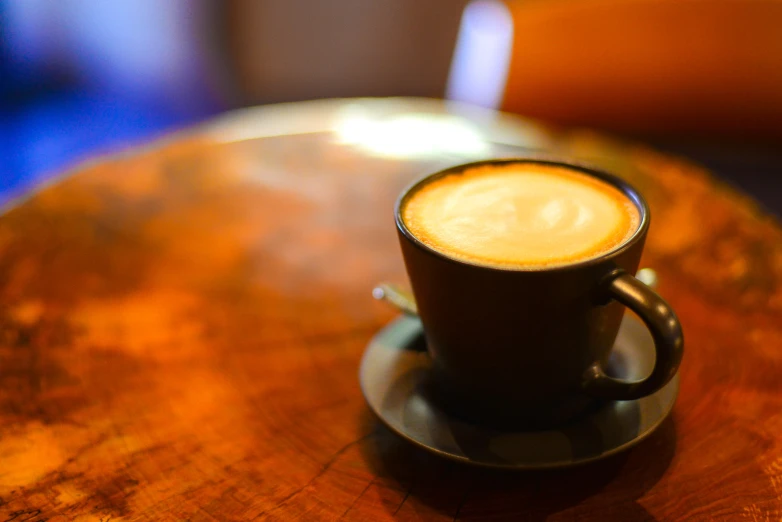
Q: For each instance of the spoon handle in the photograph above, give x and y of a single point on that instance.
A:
(397, 297)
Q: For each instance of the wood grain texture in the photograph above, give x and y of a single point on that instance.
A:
(180, 332)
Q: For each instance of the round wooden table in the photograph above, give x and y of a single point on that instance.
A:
(181, 327)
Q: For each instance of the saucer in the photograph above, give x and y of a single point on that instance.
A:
(392, 375)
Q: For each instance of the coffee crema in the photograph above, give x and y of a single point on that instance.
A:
(520, 215)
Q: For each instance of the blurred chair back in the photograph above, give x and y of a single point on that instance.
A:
(667, 67)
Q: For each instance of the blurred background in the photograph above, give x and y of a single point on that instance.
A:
(701, 78)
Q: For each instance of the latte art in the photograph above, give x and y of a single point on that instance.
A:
(524, 215)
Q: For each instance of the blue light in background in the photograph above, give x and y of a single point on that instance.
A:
(84, 77)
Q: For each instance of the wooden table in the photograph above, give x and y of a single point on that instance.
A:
(180, 331)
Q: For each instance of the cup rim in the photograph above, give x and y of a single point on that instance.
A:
(591, 170)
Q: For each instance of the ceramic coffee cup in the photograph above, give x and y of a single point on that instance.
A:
(520, 345)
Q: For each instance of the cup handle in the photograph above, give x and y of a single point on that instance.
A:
(666, 331)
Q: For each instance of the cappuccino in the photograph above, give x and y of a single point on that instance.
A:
(520, 215)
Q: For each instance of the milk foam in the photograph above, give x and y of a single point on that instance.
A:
(524, 215)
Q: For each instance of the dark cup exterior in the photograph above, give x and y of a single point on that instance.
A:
(511, 346)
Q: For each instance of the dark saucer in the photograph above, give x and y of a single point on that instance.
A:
(393, 378)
